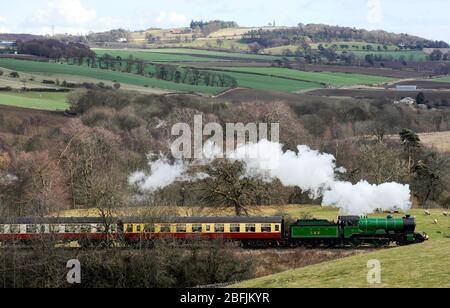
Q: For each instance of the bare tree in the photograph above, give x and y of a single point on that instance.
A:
(227, 186)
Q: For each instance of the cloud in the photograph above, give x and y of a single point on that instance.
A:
(5, 29)
(71, 16)
(374, 11)
(171, 18)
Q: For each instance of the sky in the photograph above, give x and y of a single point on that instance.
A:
(429, 19)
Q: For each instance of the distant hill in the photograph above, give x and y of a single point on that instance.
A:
(18, 37)
(316, 33)
(227, 35)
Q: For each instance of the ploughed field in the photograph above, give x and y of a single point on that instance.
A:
(390, 94)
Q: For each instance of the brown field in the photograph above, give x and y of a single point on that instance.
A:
(250, 95)
(380, 94)
(439, 140)
(237, 33)
(385, 72)
(426, 84)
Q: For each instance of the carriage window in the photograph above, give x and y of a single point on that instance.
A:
(150, 228)
(181, 228)
(130, 228)
(277, 228)
(165, 229)
(197, 228)
(15, 229)
(208, 228)
(219, 228)
(266, 228)
(71, 228)
(2, 228)
(235, 228)
(31, 228)
(86, 229)
(113, 228)
(54, 228)
(138, 228)
(250, 228)
(43, 229)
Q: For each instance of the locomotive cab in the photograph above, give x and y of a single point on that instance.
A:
(348, 221)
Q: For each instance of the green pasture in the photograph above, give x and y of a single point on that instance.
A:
(101, 74)
(329, 78)
(35, 100)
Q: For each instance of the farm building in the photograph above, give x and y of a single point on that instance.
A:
(406, 88)
(406, 101)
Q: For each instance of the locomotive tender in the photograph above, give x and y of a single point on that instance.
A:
(348, 231)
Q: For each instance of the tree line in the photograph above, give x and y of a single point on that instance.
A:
(325, 33)
(165, 72)
(209, 27)
(54, 49)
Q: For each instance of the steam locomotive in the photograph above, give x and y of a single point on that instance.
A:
(253, 232)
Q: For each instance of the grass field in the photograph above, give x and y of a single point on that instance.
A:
(216, 54)
(115, 76)
(261, 82)
(329, 78)
(35, 100)
(446, 78)
(416, 55)
(409, 55)
(416, 266)
(154, 55)
(235, 45)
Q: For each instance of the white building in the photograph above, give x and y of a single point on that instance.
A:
(408, 101)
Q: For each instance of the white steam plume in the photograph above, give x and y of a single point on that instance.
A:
(162, 174)
(307, 169)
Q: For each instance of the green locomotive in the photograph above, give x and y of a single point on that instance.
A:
(355, 231)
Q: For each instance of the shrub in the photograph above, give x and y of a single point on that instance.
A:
(126, 121)
(14, 75)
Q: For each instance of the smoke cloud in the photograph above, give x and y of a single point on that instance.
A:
(163, 173)
(308, 169)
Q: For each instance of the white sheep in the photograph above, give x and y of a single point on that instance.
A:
(435, 222)
(428, 213)
(445, 214)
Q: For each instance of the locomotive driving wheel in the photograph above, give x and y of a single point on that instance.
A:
(381, 243)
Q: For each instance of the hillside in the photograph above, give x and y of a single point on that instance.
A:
(400, 265)
(424, 265)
